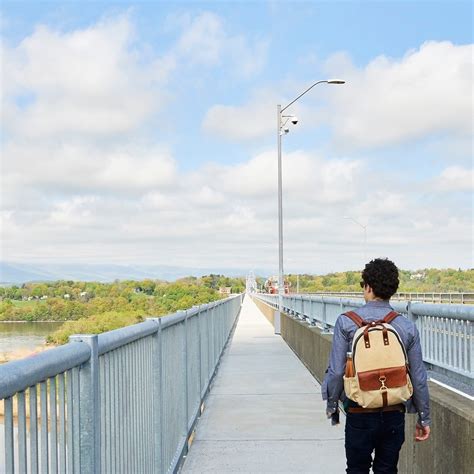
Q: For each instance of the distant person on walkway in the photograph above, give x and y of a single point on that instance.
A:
(377, 421)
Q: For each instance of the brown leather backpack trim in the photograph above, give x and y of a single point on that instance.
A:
(384, 398)
(358, 321)
(390, 317)
(392, 377)
(366, 337)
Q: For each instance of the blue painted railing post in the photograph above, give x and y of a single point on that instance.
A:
(89, 407)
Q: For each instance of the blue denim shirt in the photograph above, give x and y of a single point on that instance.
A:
(333, 385)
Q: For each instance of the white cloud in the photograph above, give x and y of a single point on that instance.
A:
(93, 81)
(203, 39)
(73, 212)
(455, 178)
(428, 91)
(306, 175)
(206, 40)
(72, 168)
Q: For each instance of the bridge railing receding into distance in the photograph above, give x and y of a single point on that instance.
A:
(457, 298)
(122, 401)
(446, 330)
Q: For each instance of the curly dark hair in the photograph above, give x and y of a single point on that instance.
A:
(381, 274)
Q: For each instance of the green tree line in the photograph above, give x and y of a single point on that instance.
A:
(91, 307)
(426, 280)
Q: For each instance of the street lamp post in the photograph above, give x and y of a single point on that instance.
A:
(280, 131)
(365, 235)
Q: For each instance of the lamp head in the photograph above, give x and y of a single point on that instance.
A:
(336, 81)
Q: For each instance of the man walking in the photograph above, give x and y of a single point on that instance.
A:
(376, 429)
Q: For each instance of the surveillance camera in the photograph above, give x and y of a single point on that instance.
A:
(294, 120)
(286, 130)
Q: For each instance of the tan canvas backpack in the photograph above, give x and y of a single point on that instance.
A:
(377, 373)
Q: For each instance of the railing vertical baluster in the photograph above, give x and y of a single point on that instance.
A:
(429, 327)
(9, 446)
(444, 351)
(22, 457)
(108, 413)
(103, 408)
(132, 408)
(142, 404)
(457, 325)
(44, 426)
(114, 411)
(33, 429)
(122, 408)
(70, 422)
(53, 425)
(76, 410)
(129, 466)
(161, 400)
(62, 424)
(439, 342)
(468, 346)
(151, 407)
(138, 407)
(459, 338)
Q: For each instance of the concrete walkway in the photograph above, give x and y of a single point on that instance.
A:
(264, 413)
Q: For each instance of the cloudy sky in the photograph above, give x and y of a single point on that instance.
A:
(145, 133)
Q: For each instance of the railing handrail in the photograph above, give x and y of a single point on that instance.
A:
(441, 297)
(417, 308)
(18, 375)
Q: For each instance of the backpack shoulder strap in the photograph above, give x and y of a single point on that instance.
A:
(390, 317)
(358, 321)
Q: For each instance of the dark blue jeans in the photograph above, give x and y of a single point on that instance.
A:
(366, 432)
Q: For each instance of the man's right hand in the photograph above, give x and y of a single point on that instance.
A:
(422, 433)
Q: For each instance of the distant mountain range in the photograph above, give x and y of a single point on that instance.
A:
(16, 273)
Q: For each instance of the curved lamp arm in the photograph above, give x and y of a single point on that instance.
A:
(329, 81)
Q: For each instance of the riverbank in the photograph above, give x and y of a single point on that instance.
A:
(22, 353)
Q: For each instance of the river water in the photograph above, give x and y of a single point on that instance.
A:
(22, 339)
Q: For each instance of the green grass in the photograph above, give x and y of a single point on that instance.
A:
(27, 304)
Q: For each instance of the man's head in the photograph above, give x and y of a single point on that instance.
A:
(380, 279)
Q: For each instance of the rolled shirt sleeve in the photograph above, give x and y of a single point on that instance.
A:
(333, 382)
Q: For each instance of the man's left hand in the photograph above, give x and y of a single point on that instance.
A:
(422, 433)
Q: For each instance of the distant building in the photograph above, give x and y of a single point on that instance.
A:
(418, 276)
(225, 290)
(67, 296)
(44, 297)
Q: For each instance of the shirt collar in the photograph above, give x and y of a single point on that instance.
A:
(380, 304)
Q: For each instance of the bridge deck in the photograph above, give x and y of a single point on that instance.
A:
(264, 413)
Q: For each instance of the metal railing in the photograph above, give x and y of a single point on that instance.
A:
(451, 298)
(446, 330)
(123, 401)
